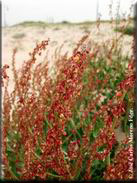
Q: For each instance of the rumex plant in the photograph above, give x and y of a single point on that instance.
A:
(65, 128)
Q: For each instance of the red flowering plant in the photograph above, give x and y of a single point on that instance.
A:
(65, 128)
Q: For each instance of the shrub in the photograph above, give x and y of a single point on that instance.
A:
(32, 24)
(19, 36)
(127, 30)
(64, 128)
(65, 22)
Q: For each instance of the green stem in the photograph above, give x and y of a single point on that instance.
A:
(54, 175)
(108, 160)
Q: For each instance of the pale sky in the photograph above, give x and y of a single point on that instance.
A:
(15, 11)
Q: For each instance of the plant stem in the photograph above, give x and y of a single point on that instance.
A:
(108, 160)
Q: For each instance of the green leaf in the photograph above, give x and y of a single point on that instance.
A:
(69, 127)
(65, 146)
(97, 107)
(77, 174)
(92, 138)
(9, 136)
(21, 153)
(105, 101)
(99, 124)
(9, 148)
(11, 155)
(38, 151)
(95, 132)
(85, 78)
(101, 75)
(102, 148)
(113, 151)
(30, 130)
(84, 166)
(20, 165)
(13, 169)
(80, 132)
(98, 168)
(126, 97)
(76, 120)
(108, 95)
(112, 85)
(45, 127)
(95, 162)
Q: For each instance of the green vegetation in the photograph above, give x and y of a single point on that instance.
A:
(128, 30)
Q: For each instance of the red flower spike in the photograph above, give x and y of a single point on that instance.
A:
(119, 94)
